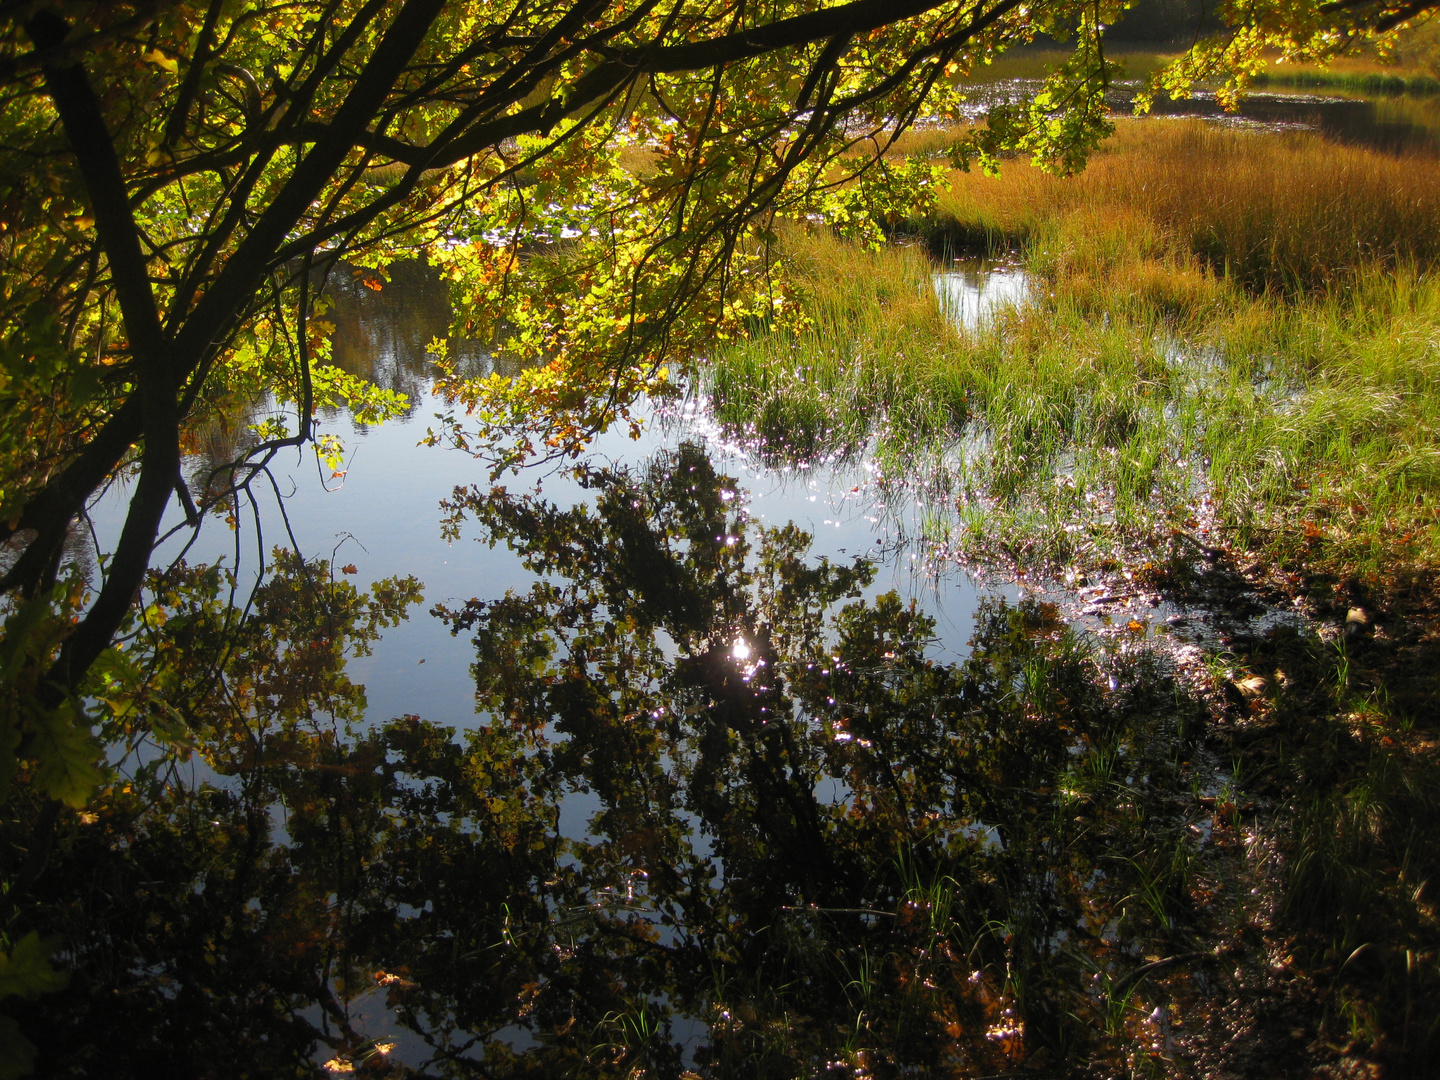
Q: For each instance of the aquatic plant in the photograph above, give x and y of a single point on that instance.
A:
(1140, 399)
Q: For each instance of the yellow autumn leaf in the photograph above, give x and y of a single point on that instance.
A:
(160, 60)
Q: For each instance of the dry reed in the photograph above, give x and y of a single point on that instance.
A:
(1290, 211)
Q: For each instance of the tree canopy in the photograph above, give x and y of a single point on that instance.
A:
(177, 179)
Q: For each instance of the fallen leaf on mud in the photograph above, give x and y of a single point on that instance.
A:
(1250, 687)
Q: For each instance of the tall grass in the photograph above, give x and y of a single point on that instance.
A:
(1365, 82)
(1288, 211)
(874, 316)
(1143, 396)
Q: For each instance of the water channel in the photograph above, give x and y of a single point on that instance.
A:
(1399, 124)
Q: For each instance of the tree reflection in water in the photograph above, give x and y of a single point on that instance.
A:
(810, 850)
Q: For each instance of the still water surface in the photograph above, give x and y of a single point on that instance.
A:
(970, 290)
(673, 785)
(384, 515)
(1402, 124)
(383, 518)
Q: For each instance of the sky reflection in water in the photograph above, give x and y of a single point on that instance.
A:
(686, 788)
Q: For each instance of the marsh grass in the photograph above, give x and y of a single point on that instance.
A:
(871, 315)
(1229, 333)
(1364, 82)
(1287, 212)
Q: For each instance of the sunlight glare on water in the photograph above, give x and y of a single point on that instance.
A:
(974, 289)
